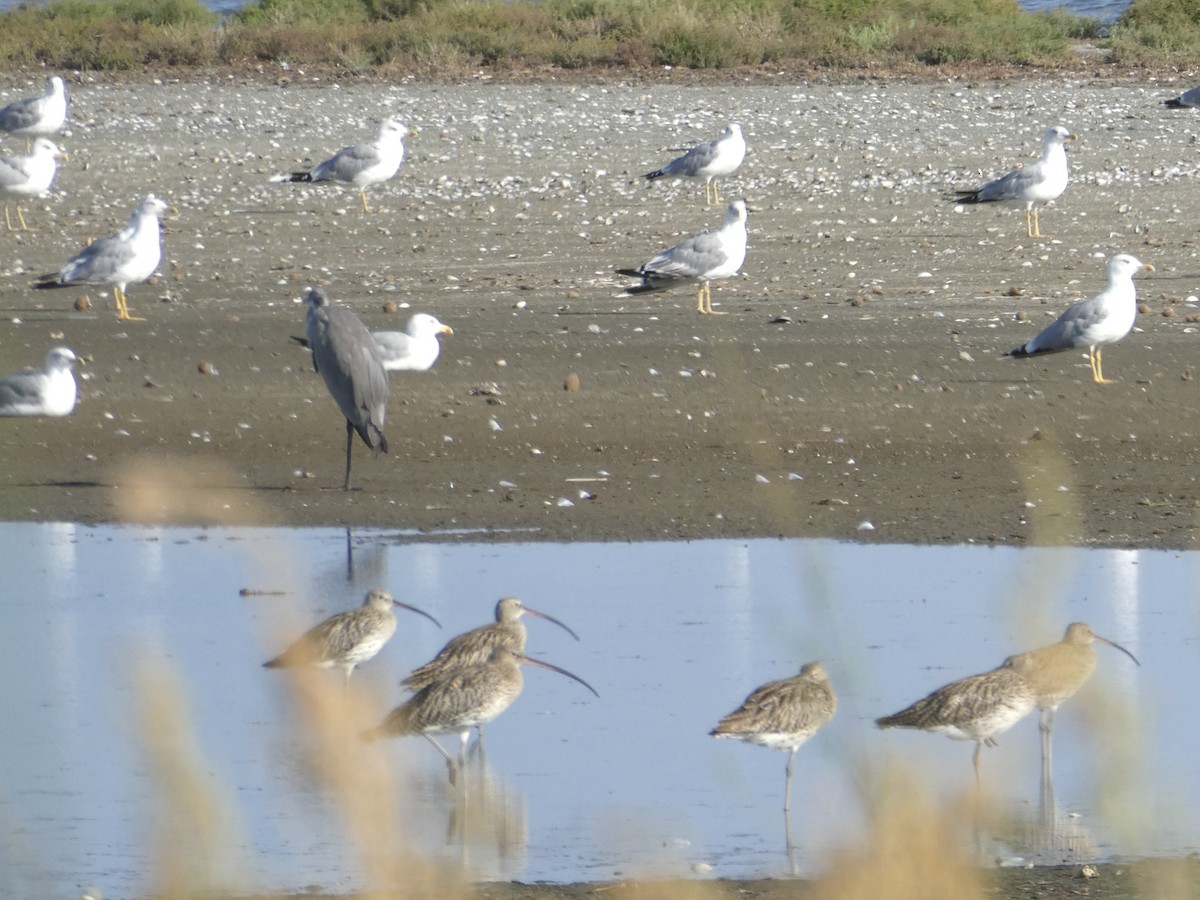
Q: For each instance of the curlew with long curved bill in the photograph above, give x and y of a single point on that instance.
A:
(347, 639)
(1057, 671)
(475, 646)
(464, 699)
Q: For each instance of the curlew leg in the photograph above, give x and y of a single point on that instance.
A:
(1046, 727)
(349, 448)
(787, 790)
(975, 760)
(450, 765)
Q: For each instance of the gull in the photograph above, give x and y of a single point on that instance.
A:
(349, 638)
(1033, 185)
(782, 715)
(50, 392)
(721, 156)
(1092, 323)
(28, 176)
(130, 255)
(347, 358)
(361, 165)
(416, 348)
(1184, 100)
(37, 115)
(709, 256)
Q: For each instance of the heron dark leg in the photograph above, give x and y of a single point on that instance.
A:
(349, 448)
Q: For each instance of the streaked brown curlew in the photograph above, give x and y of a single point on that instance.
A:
(782, 715)
(976, 708)
(463, 699)
(1057, 671)
(475, 646)
(349, 638)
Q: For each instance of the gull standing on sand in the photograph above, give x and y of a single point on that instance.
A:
(37, 115)
(347, 358)
(709, 160)
(709, 256)
(28, 176)
(50, 392)
(130, 255)
(1033, 185)
(1092, 323)
(361, 165)
(416, 348)
(349, 638)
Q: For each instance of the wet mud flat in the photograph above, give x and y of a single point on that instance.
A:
(855, 387)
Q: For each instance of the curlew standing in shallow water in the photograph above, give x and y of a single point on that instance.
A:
(1057, 671)
(976, 708)
(782, 715)
(349, 638)
(463, 699)
(475, 646)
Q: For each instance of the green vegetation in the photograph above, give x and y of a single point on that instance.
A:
(454, 36)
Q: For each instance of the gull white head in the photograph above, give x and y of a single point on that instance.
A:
(151, 206)
(423, 325)
(1057, 135)
(1124, 266)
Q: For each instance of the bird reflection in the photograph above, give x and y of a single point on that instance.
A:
(486, 822)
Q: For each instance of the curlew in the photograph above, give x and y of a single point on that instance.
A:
(349, 638)
(709, 160)
(1057, 671)
(475, 646)
(463, 699)
(1032, 185)
(782, 715)
(976, 708)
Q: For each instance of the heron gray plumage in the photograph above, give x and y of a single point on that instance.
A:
(348, 359)
(131, 255)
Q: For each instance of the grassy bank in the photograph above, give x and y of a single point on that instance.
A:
(390, 37)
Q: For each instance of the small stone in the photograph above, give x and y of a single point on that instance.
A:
(83, 303)
(390, 306)
(571, 385)
(206, 368)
